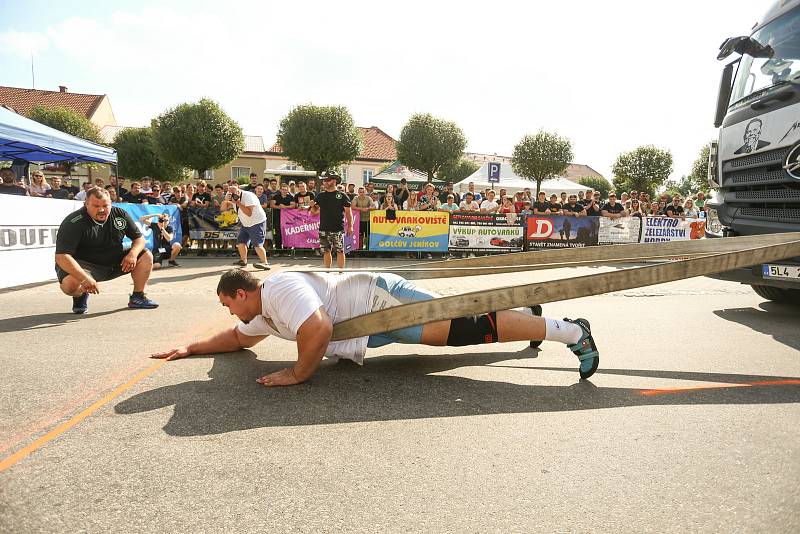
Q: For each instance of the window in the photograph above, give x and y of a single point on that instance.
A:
(238, 172)
(208, 175)
(291, 166)
(343, 172)
(367, 175)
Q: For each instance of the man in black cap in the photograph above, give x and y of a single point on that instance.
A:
(333, 206)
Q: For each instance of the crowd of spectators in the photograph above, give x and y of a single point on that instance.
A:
(276, 196)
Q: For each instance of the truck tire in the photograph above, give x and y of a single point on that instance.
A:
(778, 294)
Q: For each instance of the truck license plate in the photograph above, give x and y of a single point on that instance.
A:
(791, 272)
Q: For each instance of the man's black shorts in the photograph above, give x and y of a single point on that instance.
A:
(100, 273)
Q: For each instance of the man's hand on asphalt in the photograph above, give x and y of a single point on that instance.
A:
(128, 263)
(284, 377)
(172, 354)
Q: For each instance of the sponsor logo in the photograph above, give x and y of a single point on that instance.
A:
(120, 223)
(26, 237)
(792, 163)
(539, 229)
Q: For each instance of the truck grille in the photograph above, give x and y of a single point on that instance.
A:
(756, 187)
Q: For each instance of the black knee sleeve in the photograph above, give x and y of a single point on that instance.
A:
(473, 330)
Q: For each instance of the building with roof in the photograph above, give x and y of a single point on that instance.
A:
(573, 173)
(378, 150)
(96, 108)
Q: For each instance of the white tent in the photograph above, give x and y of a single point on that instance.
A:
(513, 183)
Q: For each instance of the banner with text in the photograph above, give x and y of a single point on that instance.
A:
(486, 232)
(619, 231)
(136, 211)
(658, 229)
(425, 231)
(300, 229)
(210, 223)
(562, 231)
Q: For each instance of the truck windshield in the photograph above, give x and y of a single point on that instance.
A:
(757, 74)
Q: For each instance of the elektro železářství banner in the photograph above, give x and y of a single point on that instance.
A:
(425, 231)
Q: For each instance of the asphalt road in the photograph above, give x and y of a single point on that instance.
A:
(691, 423)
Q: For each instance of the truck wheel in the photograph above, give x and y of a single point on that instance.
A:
(537, 310)
(778, 294)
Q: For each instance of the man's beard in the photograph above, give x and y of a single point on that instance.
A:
(751, 142)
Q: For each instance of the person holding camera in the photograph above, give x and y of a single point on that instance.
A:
(252, 221)
(163, 248)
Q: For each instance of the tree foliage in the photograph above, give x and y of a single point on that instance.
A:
(67, 121)
(646, 168)
(319, 138)
(457, 171)
(199, 136)
(428, 143)
(137, 156)
(597, 183)
(698, 178)
(541, 156)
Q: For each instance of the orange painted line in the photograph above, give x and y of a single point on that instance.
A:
(667, 391)
(66, 425)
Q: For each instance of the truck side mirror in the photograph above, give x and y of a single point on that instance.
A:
(724, 94)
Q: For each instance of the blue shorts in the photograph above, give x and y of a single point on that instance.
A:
(255, 235)
(404, 291)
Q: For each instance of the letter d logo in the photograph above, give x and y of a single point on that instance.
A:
(539, 229)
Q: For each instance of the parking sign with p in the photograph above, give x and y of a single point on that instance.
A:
(494, 172)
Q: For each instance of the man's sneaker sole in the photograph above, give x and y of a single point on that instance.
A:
(262, 266)
(145, 304)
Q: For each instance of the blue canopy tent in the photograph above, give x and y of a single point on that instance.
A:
(24, 139)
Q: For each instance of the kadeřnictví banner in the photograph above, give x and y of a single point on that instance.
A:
(486, 232)
(138, 210)
(562, 231)
(409, 230)
(300, 229)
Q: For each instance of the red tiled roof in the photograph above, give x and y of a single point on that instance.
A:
(22, 100)
(376, 145)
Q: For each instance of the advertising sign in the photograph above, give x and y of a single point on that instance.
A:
(210, 223)
(619, 231)
(657, 229)
(300, 229)
(409, 231)
(562, 231)
(486, 232)
(138, 210)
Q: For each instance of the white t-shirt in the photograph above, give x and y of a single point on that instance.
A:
(258, 216)
(489, 205)
(288, 299)
(468, 206)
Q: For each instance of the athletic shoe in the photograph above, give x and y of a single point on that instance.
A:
(174, 263)
(262, 266)
(80, 305)
(536, 310)
(240, 263)
(141, 303)
(585, 349)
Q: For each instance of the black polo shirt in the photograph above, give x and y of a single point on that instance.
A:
(331, 210)
(672, 211)
(84, 239)
(616, 208)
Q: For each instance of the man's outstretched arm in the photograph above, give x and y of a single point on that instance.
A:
(313, 337)
(229, 340)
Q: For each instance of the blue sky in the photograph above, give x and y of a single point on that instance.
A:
(608, 75)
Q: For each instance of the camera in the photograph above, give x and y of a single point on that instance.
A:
(163, 219)
(235, 197)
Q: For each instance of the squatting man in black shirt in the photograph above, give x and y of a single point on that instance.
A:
(303, 307)
(89, 250)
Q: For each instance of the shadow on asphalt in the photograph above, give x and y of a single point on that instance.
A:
(777, 320)
(389, 388)
(48, 320)
(185, 277)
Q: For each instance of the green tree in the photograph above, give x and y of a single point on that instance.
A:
(541, 156)
(597, 183)
(319, 138)
(65, 120)
(457, 171)
(698, 178)
(644, 169)
(199, 136)
(427, 144)
(137, 156)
